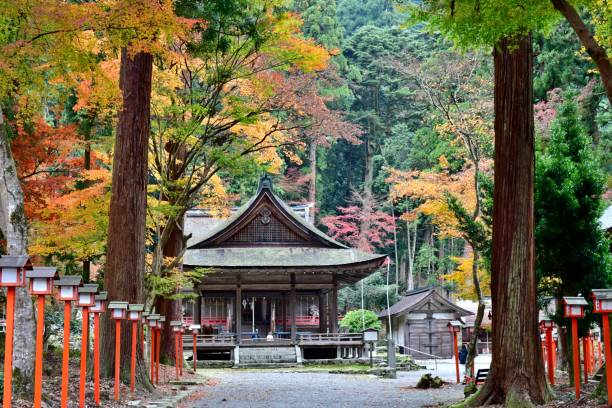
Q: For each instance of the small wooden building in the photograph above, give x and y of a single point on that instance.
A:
(419, 323)
(273, 275)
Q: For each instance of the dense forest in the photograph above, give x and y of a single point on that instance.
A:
(424, 110)
(123, 115)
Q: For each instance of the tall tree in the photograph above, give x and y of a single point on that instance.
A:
(572, 253)
(598, 47)
(14, 228)
(125, 256)
(513, 380)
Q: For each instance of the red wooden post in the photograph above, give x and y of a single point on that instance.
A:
(134, 315)
(157, 350)
(599, 353)
(67, 291)
(152, 355)
(12, 275)
(117, 356)
(98, 307)
(454, 326)
(118, 312)
(40, 329)
(554, 349)
(176, 353)
(195, 351)
(66, 354)
(586, 358)
(8, 348)
(96, 358)
(133, 365)
(576, 355)
(550, 354)
(84, 342)
(608, 353)
(180, 352)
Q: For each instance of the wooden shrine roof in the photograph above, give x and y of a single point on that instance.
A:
(414, 300)
(266, 234)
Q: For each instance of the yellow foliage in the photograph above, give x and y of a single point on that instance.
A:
(430, 188)
(461, 277)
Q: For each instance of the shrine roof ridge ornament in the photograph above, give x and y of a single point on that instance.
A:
(265, 182)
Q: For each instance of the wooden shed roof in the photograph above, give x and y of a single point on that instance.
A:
(413, 300)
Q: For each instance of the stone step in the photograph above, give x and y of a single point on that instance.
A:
(262, 356)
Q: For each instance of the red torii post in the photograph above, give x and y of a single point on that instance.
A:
(602, 304)
(573, 308)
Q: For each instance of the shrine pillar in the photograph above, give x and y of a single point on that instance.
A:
(293, 308)
(238, 312)
(197, 309)
(322, 312)
(333, 306)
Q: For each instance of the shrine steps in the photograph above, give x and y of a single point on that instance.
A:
(282, 356)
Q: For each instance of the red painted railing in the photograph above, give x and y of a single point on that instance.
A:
(217, 321)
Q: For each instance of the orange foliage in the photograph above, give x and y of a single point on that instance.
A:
(45, 163)
(430, 189)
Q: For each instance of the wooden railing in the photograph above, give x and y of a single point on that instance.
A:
(331, 339)
(310, 339)
(222, 321)
(213, 340)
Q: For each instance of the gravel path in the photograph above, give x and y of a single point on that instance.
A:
(276, 389)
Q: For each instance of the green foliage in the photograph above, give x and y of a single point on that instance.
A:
(355, 14)
(571, 248)
(354, 320)
(481, 22)
(169, 285)
(375, 294)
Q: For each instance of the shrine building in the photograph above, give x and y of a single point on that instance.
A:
(272, 281)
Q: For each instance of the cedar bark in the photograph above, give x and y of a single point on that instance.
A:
(14, 227)
(597, 52)
(517, 375)
(125, 258)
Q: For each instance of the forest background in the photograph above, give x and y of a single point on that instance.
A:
(386, 128)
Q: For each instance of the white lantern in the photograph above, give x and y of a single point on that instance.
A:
(118, 310)
(134, 312)
(41, 280)
(67, 287)
(12, 270)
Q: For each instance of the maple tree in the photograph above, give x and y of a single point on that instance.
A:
(361, 226)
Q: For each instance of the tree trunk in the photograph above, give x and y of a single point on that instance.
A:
(469, 364)
(125, 258)
(13, 225)
(312, 187)
(369, 173)
(592, 47)
(411, 247)
(517, 375)
(169, 307)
